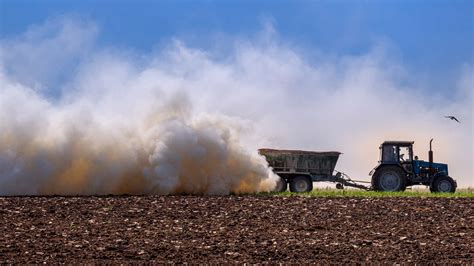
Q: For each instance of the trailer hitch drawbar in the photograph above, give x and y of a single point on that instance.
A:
(343, 179)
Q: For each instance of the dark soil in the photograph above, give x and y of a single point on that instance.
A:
(194, 229)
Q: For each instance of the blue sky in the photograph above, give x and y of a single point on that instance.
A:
(433, 39)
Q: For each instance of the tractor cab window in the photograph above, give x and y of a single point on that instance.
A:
(405, 154)
(389, 153)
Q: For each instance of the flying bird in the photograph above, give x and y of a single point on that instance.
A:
(452, 118)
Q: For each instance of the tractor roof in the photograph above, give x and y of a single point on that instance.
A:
(398, 142)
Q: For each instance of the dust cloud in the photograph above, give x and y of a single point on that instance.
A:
(70, 150)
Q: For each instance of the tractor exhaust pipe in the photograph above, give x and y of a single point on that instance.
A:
(430, 153)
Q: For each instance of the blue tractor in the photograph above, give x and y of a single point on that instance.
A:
(397, 169)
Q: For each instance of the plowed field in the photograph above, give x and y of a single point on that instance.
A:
(250, 229)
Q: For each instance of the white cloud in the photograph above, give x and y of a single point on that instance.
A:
(47, 53)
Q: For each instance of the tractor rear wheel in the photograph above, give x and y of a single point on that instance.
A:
(301, 184)
(443, 184)
(389, 178)
(281, 185)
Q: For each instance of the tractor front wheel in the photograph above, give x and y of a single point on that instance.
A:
(443, 184)
(389, 178)
(301, 184)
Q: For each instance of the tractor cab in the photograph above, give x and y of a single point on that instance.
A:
(397, 153)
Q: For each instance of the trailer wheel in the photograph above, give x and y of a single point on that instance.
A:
(389, 178)
(281, 185)
(301, 184)
(443, 184)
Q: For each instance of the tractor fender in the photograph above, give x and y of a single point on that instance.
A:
(440, 174)
(380, 165)
(433, 177)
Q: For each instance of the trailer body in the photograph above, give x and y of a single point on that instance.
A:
(300, 168)
(316, 164)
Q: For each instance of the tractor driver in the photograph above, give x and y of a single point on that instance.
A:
(402, 151)
(406, 163)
